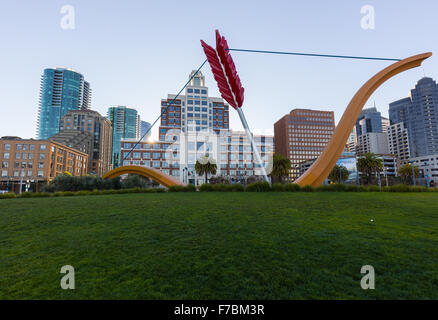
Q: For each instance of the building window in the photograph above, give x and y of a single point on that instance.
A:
(40, 173)
(6, 155)
(42, 147)
(156, 164)
(7, 146)
(4, 173)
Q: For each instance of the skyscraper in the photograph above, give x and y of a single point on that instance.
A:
(145, 127)
(61, 90)
(371, 130)
(419, 114)
(302, 135)
(370, 120)
(125, 123)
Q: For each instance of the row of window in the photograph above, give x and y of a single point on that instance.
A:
(24, 156)
(24, 147)
(199, 91)
(40, 173)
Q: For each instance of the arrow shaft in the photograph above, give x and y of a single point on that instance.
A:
(251, 139)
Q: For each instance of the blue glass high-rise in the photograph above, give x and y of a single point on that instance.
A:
(61, 90)
(126, 125)
(419, 114)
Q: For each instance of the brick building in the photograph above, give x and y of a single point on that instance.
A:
(32, 162)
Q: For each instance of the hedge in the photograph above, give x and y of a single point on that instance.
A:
(255, 187)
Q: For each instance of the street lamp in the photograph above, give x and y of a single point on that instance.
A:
(413, 173)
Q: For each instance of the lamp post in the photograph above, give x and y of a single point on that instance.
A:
(413, 172)
(386, 175)
(21, 179)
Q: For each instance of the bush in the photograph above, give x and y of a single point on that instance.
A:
(418, 189)
(207, 187)
(352, 188)
(278, 187)
(292, 187)
(373, 189)
(41, 195)
(8, 195)
(398, 188)
(234, 187)
(25, 195)
(307, 189)
(188, 188)
(259, 187)
(222, 188)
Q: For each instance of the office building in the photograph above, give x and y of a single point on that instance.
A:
(374, 142)
(195, 111)
(88, 131)
(145, 133)
(428, 166)
(125, 124)
(61, 90)
(32, 162)
(398, 142)
(370, 120)
(177, 153)
(302, 135)
(419, 114)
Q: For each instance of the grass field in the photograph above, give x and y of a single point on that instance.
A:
(221, 246)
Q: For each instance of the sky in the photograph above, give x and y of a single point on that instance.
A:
(136, 52)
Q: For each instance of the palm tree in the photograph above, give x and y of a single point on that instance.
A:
(406, 172)
(205, 165)
(280, 167)
(339, 173)
(369, 164)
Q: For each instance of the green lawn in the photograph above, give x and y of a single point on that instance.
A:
(221, 246)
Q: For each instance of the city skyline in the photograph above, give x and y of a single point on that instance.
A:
(277, 83)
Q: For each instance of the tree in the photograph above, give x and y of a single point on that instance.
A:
(281, 167)
(205, 165)
(369, 164)
(338, 173)
(406, 172)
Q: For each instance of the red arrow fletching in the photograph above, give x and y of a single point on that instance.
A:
(224, 71)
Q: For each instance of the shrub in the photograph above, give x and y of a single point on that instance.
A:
(234, 187)
(41, 195)
(188, 188)
(307, 189)
(397, 188)
(8, 195)
(259, 187)
(418, 189)
(278, 187)
(373, 189)
(352, 188)
(292, 187)
(25, 195)
(207, 187)
(324, 188)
